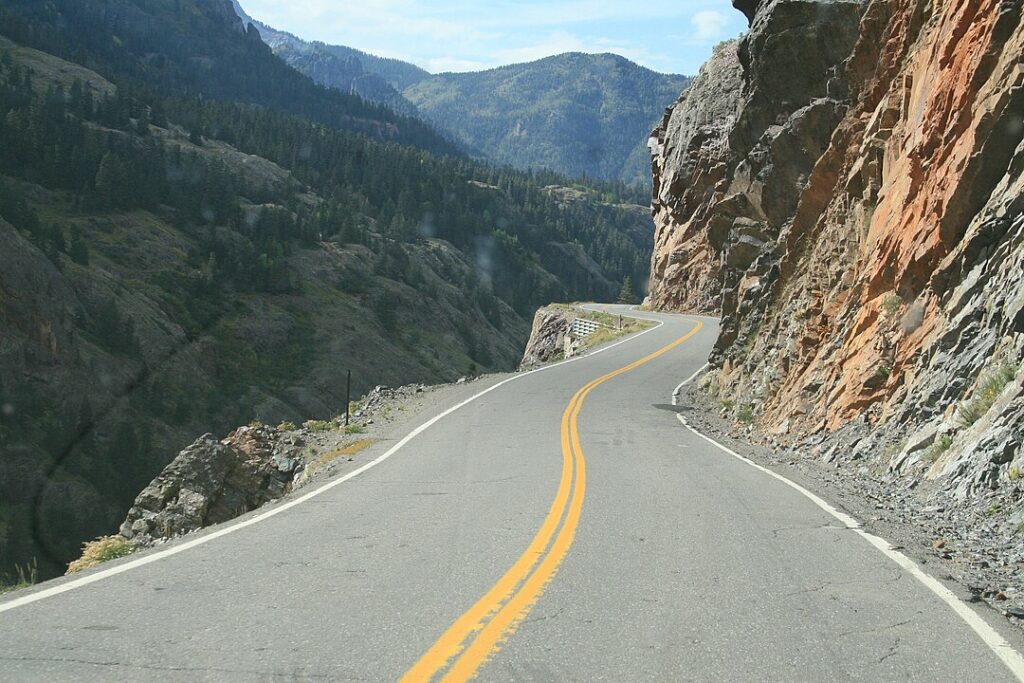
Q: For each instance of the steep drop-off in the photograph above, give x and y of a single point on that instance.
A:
(173, 264)
(846, 186)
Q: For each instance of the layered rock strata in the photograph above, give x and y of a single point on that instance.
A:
(845, 185)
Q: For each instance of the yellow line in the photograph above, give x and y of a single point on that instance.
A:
(451, 643)
(496, 616)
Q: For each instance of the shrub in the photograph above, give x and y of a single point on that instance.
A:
(101, 550)
(318, 425)
(746, 415)
(891, 303)
(989, 387)
(286, 426)
(941, 445)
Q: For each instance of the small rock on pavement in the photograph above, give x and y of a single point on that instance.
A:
(1015, 611)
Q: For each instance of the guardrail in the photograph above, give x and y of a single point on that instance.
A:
(582, 327)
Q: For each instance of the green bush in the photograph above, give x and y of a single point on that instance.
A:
(892, 303)
(318, 425)
(941, 445)
(989, 387)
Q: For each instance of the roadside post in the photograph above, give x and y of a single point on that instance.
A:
(348, 396)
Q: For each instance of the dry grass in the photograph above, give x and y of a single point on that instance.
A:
(347, 450)
(609, 333)
(101, 550)
(24, 577)
(989, 387)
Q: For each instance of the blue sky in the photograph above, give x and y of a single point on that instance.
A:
(460, 35)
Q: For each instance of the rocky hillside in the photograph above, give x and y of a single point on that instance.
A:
(846, 186)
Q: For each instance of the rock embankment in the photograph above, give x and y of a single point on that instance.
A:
(552, 337)
(845, 185)
(215, 480)
(547, 337)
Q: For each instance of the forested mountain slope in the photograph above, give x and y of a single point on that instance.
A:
(194, 48)
(579, 114)
(181, 252)
(576, 114)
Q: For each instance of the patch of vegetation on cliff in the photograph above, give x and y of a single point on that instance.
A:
(989, 386)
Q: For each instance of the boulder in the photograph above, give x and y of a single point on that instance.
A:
(212, 481)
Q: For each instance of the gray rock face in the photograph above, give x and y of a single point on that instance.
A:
(740, 144)
(547, 338)
(748, 7)
(213, 481)
(859, 224)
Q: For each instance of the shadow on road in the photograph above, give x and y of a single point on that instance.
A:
(671, 408)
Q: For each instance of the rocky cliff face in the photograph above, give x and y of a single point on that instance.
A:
(846, 186)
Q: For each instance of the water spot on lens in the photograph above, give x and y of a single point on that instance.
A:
(8, 409)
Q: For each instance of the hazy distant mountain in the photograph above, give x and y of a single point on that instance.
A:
(574, 113)
(578, 114)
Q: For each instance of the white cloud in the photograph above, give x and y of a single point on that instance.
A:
(441, 64)
(556, 43)
(709, 24)
(460, 35)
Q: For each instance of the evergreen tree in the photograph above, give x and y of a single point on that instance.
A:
(626, 294)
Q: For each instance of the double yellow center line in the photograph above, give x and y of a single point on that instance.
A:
(475, 636)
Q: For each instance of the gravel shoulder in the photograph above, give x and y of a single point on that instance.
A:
(960, 545)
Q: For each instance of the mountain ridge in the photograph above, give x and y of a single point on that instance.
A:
(541, 127)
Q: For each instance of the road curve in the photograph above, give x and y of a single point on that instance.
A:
(563, 526)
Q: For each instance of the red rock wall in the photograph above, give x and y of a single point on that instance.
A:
(894, 286)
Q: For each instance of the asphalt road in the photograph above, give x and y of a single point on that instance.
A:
(563, 526)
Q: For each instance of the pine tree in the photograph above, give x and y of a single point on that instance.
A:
(627, 295)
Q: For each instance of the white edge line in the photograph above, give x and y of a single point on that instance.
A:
(233, 527)
(1013, 659)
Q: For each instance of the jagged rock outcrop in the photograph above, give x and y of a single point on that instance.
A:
(547, 337)
(213, 481)
(862, 234)
(732, 155)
